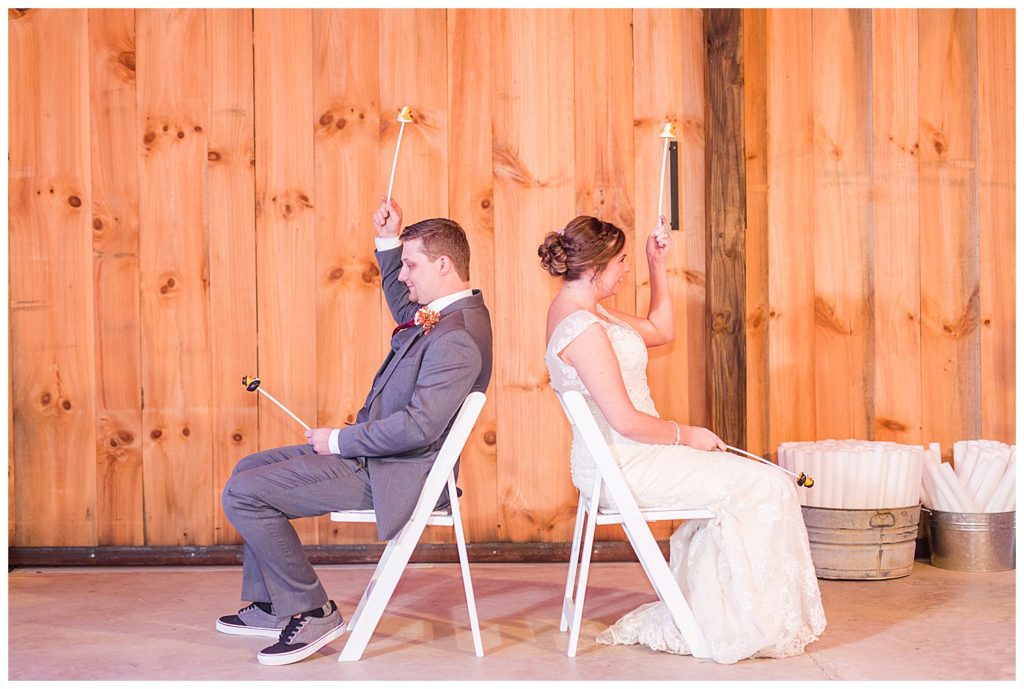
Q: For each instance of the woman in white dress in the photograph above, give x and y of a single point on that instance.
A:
(747, 574)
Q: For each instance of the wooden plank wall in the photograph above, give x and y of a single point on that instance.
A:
(175, 229)
(880, 152)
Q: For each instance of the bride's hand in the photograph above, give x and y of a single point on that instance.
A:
(701, 439)
(659, 242)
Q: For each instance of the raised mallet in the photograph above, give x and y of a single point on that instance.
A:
(801, 480)
(669, 132)
(404, 117)
(252, 384)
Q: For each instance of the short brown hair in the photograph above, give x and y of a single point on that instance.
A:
(584, 243)
(441, 237)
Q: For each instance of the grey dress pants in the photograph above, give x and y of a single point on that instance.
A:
(267, 490)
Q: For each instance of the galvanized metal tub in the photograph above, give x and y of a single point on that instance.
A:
(973, 541)
(862, 544)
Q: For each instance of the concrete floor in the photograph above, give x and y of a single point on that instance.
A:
(157, 624)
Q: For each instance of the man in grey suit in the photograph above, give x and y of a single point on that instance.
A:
(439, 354)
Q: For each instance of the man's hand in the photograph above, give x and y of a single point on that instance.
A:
(317, 438)
(387, 219)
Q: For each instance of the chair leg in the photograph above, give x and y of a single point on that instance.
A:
(378, 592)
(666, 587)
(574, 559)
(460, 540)
(581, 587)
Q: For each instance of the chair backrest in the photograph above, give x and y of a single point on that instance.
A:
(450, 450)
(582, 419)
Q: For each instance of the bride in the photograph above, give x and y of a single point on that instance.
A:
(747, 573)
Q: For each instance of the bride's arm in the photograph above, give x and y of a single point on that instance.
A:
(659, 326)
(592, 356)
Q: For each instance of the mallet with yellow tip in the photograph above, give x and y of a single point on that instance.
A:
(252, 384)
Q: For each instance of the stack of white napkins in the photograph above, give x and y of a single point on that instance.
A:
(981, 479)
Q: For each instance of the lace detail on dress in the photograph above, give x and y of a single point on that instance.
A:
(747, 574)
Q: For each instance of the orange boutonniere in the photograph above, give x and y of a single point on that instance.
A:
(428, 318)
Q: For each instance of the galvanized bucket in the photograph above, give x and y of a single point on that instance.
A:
(862, 544)
(973, 541)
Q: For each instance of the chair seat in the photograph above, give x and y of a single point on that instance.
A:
(436, 518)
(609, 516)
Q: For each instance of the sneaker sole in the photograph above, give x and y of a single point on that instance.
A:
(247, 631)
(304, 652)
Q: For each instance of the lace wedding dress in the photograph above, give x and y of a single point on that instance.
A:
(747, 574)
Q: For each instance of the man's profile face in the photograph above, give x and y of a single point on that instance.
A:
(419, 273)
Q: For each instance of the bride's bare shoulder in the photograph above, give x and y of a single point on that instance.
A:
(557, 312)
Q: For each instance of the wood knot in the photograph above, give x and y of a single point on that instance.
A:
(490, 437)
(721, 322)
(836, 153)
(197, 128)
(485, 204)
(148, 138)
(45, 399)
(113, 442)
(155, 434)
(127, 60)
(186, 431)
(370, 274)
(326, 119)
(213, 156)
(237, 437)
(125, 436)
(349, 419)
(336, 273)
(74, 201)
(66, 405)
(340, 124)
(167, 286)
(362, 116)
(987, 321)
(181, 135)
(97, 224)
(893, 425)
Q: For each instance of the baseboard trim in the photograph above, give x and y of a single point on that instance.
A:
(134, 556)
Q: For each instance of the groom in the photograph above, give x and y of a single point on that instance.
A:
(439, 354)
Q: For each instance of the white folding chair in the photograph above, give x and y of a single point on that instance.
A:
(399, 549)
(633, 521)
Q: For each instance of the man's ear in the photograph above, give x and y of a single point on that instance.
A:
(444, 265)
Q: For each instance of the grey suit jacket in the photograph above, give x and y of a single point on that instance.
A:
(415, 396)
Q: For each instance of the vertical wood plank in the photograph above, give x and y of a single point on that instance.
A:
(658, 87)
(842, 234)
(755, 133)
(51, 283)
(346, 148)
(534, 191)
(950, 356)
(604, 130)
(173, 112)
(413, 72)
(285, 227)
(232, 246)
(726, 181)
(115, 224)
(997, 221)
(692, 200)
(897, 231)
(790, 226)
(471, 204)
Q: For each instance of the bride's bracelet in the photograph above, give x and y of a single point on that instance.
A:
(677, 431)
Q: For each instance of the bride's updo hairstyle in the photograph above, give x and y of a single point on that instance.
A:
(585, 243)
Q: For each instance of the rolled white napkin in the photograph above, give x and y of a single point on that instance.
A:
(965, 501)
(1004, 498)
